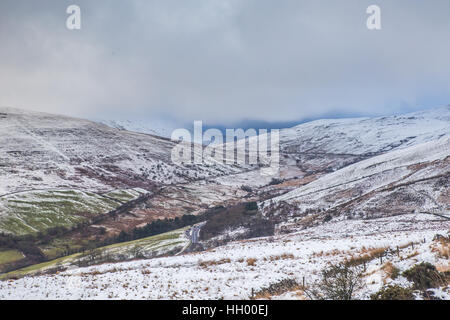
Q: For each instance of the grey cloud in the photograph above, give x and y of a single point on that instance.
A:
(219, 60)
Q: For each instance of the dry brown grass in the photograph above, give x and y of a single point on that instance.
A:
(442, 248)
(284, 256)
(263, 295)
(443, 267)
(251, 262)
(366, 255)
(412, 255)
(206, 264)
(331, 253)
(391, 271)
(92, 273)
(308, 220)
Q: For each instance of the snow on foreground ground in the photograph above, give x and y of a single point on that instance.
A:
(226, 272)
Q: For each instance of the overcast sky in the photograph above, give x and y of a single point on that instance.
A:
(224, 61)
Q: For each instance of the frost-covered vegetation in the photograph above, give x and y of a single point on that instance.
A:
(359, 210)
(240, 268)
(170, 242)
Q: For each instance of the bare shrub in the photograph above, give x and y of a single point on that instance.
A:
(276, 289)
(425, 276)
(137, 252)
(393, 293)
(338, 282)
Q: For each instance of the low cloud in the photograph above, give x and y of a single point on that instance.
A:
(224, 61)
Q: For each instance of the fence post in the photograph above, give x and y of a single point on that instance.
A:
(303, 282)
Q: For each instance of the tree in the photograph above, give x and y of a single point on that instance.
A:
(251, 206)
(137, 252)
(338, 282)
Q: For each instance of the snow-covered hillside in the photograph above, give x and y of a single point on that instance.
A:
(41, 151)
(362, 136)
(345, 188)
(232, 271)
(355, 136)
(412, 179)
(158, 127)
(324, 146)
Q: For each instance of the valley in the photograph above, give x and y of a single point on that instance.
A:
(84, 206)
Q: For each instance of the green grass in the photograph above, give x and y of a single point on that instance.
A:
(153, 243)
(164, 241)
(35, 211)
(123, 195)
(58, 246)
(52, 252)
(38, 267)
(9, 256)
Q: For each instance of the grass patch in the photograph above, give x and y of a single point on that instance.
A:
(442, 247)
(37, 211)
(165, 241)
(206, 264)
(10, 256)
(366, 255)
(391, 271)
(37, 268)
(150, 241)
(124, 195)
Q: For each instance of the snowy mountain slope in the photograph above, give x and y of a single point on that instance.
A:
(40, 151)
(227, 273)
(351, 136)
(383, 168)
(412, 179)
(324, 146)
(367, 136)
(156, 127)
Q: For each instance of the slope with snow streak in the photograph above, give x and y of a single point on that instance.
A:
(352, 136)
(419, 174)
(39, 151)
(37, 211)
(156, 127)
(324, 146)
(367, 136)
